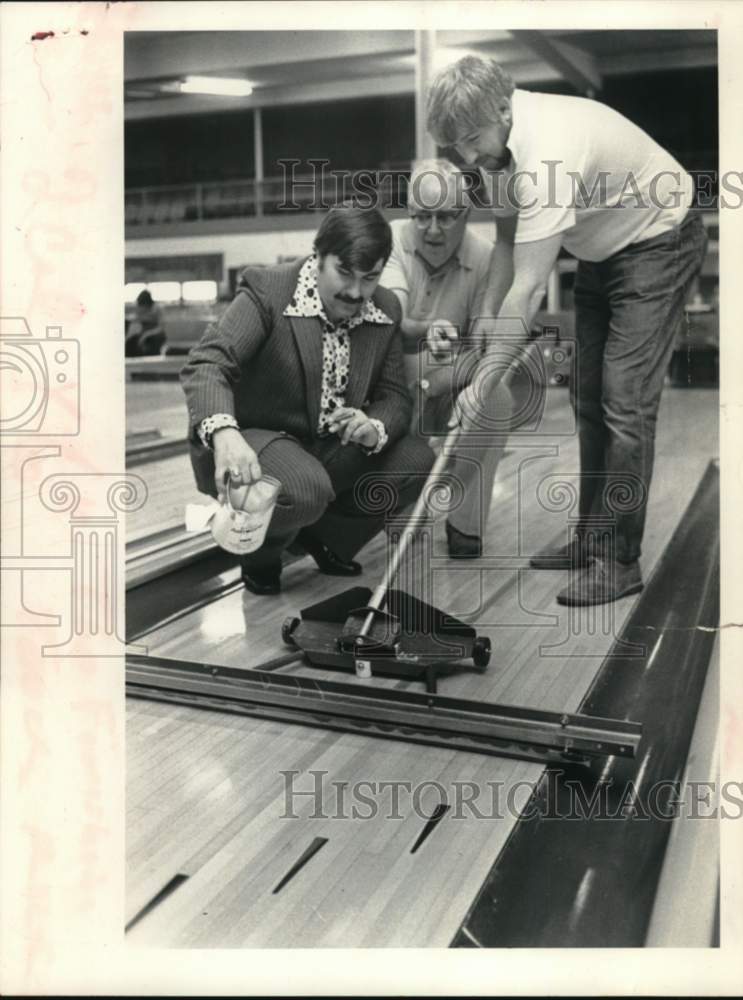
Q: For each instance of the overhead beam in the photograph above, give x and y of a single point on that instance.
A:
(455, 39)
(525, 71)
(576, 65)
(166, 54)
(336, 90)
(651, 61)
(158, 54)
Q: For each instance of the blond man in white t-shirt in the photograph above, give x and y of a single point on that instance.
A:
(570, 172)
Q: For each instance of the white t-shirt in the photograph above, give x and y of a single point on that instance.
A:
(584, 170)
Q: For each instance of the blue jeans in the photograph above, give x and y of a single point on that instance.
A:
(627, 312)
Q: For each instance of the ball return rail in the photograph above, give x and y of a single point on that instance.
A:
(432, 720)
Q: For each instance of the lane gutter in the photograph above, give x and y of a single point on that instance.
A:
(575, 875)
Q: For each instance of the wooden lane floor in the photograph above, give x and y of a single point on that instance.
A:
(541, 651)
(158, 405)
(205, 790)
(161, 407)
(170, 486)
(212, 805)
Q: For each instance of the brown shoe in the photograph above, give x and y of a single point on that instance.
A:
(604, 581)
(574, 555)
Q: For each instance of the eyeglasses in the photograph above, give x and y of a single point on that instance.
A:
(444, 219)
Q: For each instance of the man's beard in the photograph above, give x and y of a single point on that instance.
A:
(495, 164)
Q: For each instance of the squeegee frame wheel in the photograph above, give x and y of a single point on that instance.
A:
(481, 651)
(287, 628)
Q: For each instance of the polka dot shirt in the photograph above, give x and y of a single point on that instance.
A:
(336, 343)
(336, 353)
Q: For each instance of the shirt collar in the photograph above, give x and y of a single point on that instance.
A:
(306, 302)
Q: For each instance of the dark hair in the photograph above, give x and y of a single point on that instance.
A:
(358, 236)
(144, 298)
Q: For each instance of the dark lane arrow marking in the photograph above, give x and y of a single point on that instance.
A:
(311, 851)
(435, 818)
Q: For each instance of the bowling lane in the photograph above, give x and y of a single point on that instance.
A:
(156, 405)
(159, 407)
(543, 654)
(207, 799)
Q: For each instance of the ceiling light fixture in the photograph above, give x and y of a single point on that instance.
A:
(217, 85)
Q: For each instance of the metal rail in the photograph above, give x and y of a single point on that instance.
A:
(162, 552)
(142, 452)
(526, 734)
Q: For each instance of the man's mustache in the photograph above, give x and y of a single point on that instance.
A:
(350, 302)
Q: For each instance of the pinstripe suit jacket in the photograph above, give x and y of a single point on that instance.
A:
(265, 369)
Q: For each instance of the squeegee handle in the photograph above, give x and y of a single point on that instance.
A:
(421, 506)
(416, 519)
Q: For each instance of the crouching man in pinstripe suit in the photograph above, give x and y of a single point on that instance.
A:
(303, 379)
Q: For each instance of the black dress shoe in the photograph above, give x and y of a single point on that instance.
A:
(462, 546)
(327, 561)
(261, 580)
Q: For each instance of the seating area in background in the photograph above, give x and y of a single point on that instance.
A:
(155, 206)
(148, 206)
(251, 198)
(184, 325)
(695, 358)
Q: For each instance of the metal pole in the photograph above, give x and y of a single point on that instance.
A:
(258, 159)
(421, 508)
(553, 290)
(416, 519)
(425, 46)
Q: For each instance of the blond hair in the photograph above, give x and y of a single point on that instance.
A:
(472, 92)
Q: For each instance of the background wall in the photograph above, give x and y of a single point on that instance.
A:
(672, 106)
(240, 249)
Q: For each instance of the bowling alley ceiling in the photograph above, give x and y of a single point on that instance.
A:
(293, 67)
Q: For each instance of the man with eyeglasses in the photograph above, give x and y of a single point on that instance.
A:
(439, 271)
(570, 172)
